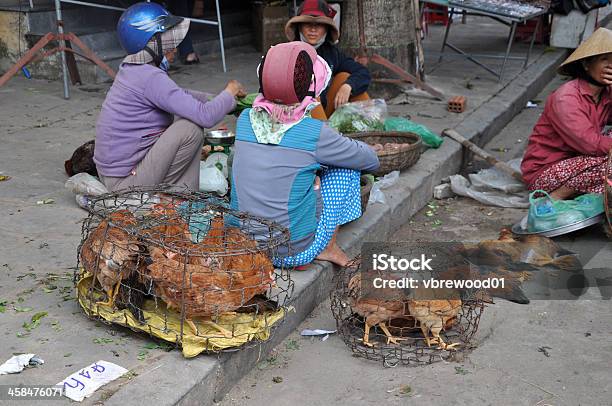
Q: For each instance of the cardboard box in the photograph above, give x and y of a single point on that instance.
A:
(269, 25)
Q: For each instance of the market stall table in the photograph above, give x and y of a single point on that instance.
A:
(507, 12)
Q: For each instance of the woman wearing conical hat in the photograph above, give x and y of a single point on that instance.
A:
(568, 148)
(314, 25)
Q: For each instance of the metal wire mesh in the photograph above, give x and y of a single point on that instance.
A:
(388, 327)
(182, 266)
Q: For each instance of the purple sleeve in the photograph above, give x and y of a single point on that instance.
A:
(334, 149)
(165, 94)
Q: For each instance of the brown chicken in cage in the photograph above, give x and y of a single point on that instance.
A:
(435, 315)
(112, 254)
(376, 311)
(218, 275)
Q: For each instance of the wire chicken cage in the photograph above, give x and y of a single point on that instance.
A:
(394, 329)
(183, 267)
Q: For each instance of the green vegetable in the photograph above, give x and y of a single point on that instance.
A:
(361, 116)
(245, 103)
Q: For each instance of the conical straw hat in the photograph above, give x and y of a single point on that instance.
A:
(600, 42)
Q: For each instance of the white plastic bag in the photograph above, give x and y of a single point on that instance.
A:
(212, 179)
(85, 184)
(493, 187)
(376, 194)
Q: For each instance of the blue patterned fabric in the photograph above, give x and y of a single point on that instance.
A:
(340, 192)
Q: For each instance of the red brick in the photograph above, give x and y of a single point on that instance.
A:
(457, 104)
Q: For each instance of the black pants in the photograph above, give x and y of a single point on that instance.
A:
(182, 8)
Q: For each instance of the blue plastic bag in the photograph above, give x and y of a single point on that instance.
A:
(546, 213)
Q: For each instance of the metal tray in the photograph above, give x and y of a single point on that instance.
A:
(219, 137)
(553, 232)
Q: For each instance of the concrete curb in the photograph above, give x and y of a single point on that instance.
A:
(173, 380)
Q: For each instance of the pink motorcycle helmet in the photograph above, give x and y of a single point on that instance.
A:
(291, 71)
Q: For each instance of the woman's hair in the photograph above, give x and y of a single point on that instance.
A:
(576, 69)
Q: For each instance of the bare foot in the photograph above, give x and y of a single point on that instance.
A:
(562, 193)
(334, 254)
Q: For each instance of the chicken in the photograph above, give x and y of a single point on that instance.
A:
(376, 311)
(515, 259)
(518, 251)
(435, 315)
(214, 280)
(82, 160)
(111, 253)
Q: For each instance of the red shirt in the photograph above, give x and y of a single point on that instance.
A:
(571, 125)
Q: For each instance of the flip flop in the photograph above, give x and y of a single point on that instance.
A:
(193, 61)
(301, 268)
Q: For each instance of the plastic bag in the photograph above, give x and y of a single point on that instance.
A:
(493, 187)
(546, 213)
(212, 179)
(85, 184)
(367, 115)
(430, 138)
(376, 194)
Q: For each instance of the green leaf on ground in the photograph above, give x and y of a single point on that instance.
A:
(45, 201)
(67, 355)
(21, 334)
(35, 321)
(102, 340)
(292, 345)
(461, 371)
(22, 309)
(3, 306)
(142, 354)
(158, 346)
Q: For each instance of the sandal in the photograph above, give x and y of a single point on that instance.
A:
(194, 61)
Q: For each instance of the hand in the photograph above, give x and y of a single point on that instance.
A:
(377, 147)
(317, 183)
(607, 75)
(235, 88)
(343, 95)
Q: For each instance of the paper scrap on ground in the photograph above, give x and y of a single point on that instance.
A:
(531, 105)
(85, 382)
(17, 363)
(317, 332)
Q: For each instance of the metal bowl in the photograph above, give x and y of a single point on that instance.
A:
(519, 230)
(219, 137)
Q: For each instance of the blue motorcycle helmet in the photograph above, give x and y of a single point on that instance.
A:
(140, 23)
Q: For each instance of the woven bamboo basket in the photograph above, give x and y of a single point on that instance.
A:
(390, 161)
(608, 196)
(366, 187)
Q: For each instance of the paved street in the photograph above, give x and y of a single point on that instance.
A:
(38, 249)
(506, 368)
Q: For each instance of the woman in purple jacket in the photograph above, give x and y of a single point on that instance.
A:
(138, 139)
